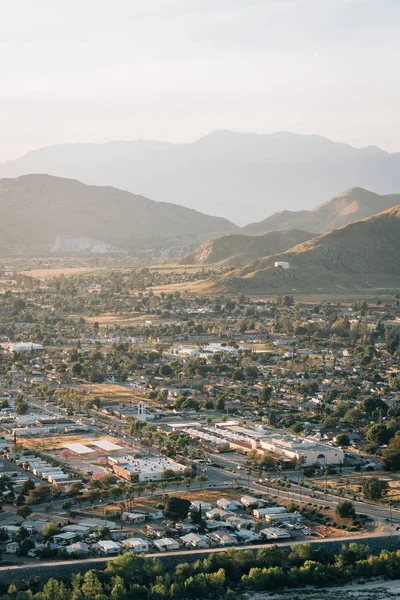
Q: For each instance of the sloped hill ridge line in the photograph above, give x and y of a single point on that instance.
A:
(352, 205)
(363, 254)
(242, 176)
(43, 214)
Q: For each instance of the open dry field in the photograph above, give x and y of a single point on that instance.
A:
(122, 319)
(354, 482)
(112, 392)
(59, 441)
(44, 274)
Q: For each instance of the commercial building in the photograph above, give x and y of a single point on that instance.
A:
(306, 452)
(143, 469)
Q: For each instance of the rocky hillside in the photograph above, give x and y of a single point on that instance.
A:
(361, 255)
(239, 249)
(352, 205)
(41, 214)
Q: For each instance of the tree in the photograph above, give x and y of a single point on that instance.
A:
(55, 590)
(104, 533)
(91, 586)
(343, 440)
(391, 460)
(21, 407)
(24, 511)
(345, 509)
(77, 369)
(176, 508)
(21, 534)
(374, 488)
(49, 530)
(220, 404)
(378, 433)
(265, 394)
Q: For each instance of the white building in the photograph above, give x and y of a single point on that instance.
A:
(143, 469)
(282, 264)
(307, 452)
(108, 547)
(135, 544)
(166, 544)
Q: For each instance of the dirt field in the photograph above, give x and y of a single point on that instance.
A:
(112, 392)
(354, 482)
(133, 318)
(58, 442)
(44, 274)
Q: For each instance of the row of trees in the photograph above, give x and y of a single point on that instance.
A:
(219, 575)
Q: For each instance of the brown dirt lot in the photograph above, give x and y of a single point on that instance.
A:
(44, 274)
(110, 392)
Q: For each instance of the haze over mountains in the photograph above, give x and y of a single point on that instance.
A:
(41, 214)
(241, 176)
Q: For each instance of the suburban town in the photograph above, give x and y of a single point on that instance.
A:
(143, 421)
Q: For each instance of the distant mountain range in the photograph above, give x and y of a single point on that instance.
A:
(364, 254)
(239, 249)
(41, 214)
(352, 205)
(241, 176)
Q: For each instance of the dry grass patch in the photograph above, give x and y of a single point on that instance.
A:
(112, 392)
(58, 442)
(131, 318)
(44, 274)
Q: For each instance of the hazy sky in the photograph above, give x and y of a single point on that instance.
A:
(99, 70)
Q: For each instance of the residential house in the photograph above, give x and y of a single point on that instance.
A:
(199, 504)
(12, 547)
(166, 544)
(228, 505)
(247, 536)
(240, 523)
(156, 531)
(222, 538)
(135, 544)
(219, 513)
(107, 547)
(260, 513)
(275, 533)
(195, 540)
(78, 548)
(251, 501)
(133, 517)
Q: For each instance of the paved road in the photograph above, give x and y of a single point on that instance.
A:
(205, 551)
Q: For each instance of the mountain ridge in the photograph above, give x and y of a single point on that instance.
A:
(43, 213)
(353, 204)
(237, 248)
(362, 254)
(236, 175)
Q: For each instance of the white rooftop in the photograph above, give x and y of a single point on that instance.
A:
(106, 445)
(79, 448)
